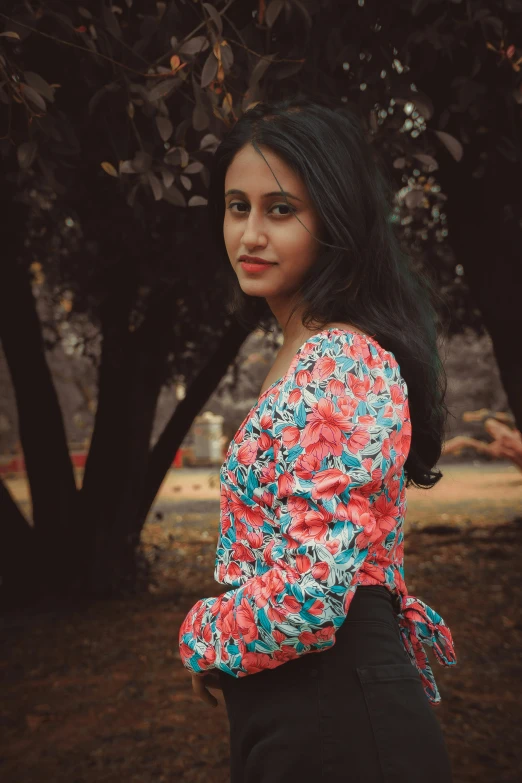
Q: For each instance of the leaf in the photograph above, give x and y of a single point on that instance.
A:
(215, 16)
(109, 169)
(197, 201)
(26, 154)
(35, 81)
(10, 34)
(305, 12)
(111, 23)
(452, 144)
(506, 148)
(175, 62)
(481, 14)
(228, 103)
(177, 156)
(419, 6)
(227, 56)
(167, 177)
(99, 94)
(193, 168)
(259, 69)
(157, 188)
(194, 45)
(288, 69)
(496, 24)
(165, 127)
(427, 160)
(32, 96)
(142, 162)
(208, 141)
(414, 198)
(186, 182)
(208, 74)
(200, 118)
(174, 196)
(132, 195)
(126, 167)
(273, 11)
(164, 88)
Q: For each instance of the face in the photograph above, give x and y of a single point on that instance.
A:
(258, 222)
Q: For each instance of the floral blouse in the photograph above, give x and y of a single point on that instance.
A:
(312, 506)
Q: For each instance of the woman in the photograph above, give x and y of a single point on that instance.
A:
(313, 484)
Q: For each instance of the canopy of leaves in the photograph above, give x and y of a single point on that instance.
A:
(113, 111)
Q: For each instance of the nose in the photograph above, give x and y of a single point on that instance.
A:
(254, 234)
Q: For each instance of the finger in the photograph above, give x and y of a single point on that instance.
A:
(210, 678)
(202, 693)
(212, 681)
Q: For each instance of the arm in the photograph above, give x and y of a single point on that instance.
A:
(329, 461)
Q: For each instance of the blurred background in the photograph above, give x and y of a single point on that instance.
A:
(123, 378)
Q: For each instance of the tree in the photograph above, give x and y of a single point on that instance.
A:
(112, 113)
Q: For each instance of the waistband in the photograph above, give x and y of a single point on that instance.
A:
(373, 602)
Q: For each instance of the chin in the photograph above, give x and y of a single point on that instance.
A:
(255, 288)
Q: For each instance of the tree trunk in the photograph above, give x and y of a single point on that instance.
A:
(484, 214)
(487, 244)
(49, 470)
(187, 409)
(18, 556)
(130, 379)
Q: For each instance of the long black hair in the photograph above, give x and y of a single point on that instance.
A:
(361, 275)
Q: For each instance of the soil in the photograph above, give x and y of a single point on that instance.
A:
(96, 693)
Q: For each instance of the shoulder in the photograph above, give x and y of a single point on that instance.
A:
(335, 352)
(345, 372)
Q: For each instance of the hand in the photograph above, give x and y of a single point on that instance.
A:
(204, 680)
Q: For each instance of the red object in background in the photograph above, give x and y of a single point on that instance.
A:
(78, 459)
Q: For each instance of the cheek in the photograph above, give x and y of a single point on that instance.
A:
(300, 246)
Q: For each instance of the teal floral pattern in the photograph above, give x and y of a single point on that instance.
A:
(312, 506)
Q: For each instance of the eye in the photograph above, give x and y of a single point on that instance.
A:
(242, 209)
(284, 206)
(236, 204)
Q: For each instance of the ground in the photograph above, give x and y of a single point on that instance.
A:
(97, 693)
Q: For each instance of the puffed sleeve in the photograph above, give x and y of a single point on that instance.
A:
(334, 425)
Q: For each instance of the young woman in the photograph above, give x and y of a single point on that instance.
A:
(317, 645)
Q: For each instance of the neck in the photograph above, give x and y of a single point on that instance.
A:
(293, 329)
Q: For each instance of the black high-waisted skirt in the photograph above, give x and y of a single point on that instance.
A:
(355, 713)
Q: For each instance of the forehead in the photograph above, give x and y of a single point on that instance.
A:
(249, 172)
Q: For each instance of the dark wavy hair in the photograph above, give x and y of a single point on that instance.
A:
(361, 275)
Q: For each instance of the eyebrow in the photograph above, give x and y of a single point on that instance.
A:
(237, 192)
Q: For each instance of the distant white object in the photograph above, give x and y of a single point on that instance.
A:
(208, 439)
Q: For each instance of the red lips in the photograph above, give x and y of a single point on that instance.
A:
(255, 260)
